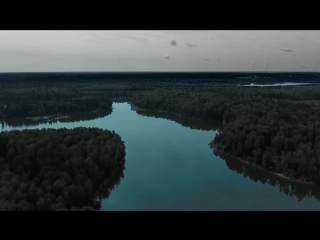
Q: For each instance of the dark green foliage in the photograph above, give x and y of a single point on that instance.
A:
(50, 102)
(292, 188)
(281, 136)
(64, 169)
(268, 127)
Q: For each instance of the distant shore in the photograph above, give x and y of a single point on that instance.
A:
(46, 118)
(49, 118)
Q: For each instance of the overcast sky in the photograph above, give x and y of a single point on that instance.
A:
(159, 50)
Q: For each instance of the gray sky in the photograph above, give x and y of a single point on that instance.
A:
(159, 50)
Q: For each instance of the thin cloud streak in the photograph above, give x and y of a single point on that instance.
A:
(304, 65)
(191, 45)
(265, 64)
(286, 49)
(166, 56)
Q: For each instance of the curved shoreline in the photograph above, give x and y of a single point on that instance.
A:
(60, 116)
(163, 111)
(264, 169)
(244, 161)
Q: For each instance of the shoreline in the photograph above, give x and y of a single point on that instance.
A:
(50, 118)
(298, 180)
(59, 116)
(281, 175)
(162, 111)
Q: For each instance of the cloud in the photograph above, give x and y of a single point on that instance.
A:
(265, 64)
(316, 63)
(286, 49)
(191, 45)
(166, 56)
(253, 63)
(88, 38)
(173, 43)
(218, 60)
(207, 59)
(304, 65)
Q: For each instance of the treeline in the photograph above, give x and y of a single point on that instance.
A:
(212, 103)
(290, 188)
(73, 117)
(186, 122)
(154, 77)
(51, 102)
(260, 125)
(29, 95)
(184, 102)
(64, 169)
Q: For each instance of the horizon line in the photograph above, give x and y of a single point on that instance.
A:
(159, 72)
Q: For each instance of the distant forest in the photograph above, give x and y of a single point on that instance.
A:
(31, 103)
(52, 93)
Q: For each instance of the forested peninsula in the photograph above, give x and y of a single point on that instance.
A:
(276, 128)
(63, 169)
(31, 103)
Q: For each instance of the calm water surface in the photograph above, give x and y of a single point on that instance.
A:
(169, 166)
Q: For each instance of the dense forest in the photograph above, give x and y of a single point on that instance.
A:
(116, 85)
(63, 169)
(186, 122)
(212, 103)
(39, 94)
(40, 103)
(31, 95)
(278, 129)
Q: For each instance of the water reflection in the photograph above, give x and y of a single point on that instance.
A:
(112, 182)
(289, 187)
(16, 122)
(77, 117)
(74, 117)
(186, 122)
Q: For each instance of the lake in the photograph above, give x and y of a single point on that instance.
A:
(169, 166)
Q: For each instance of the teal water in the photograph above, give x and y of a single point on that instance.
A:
(169, 166)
